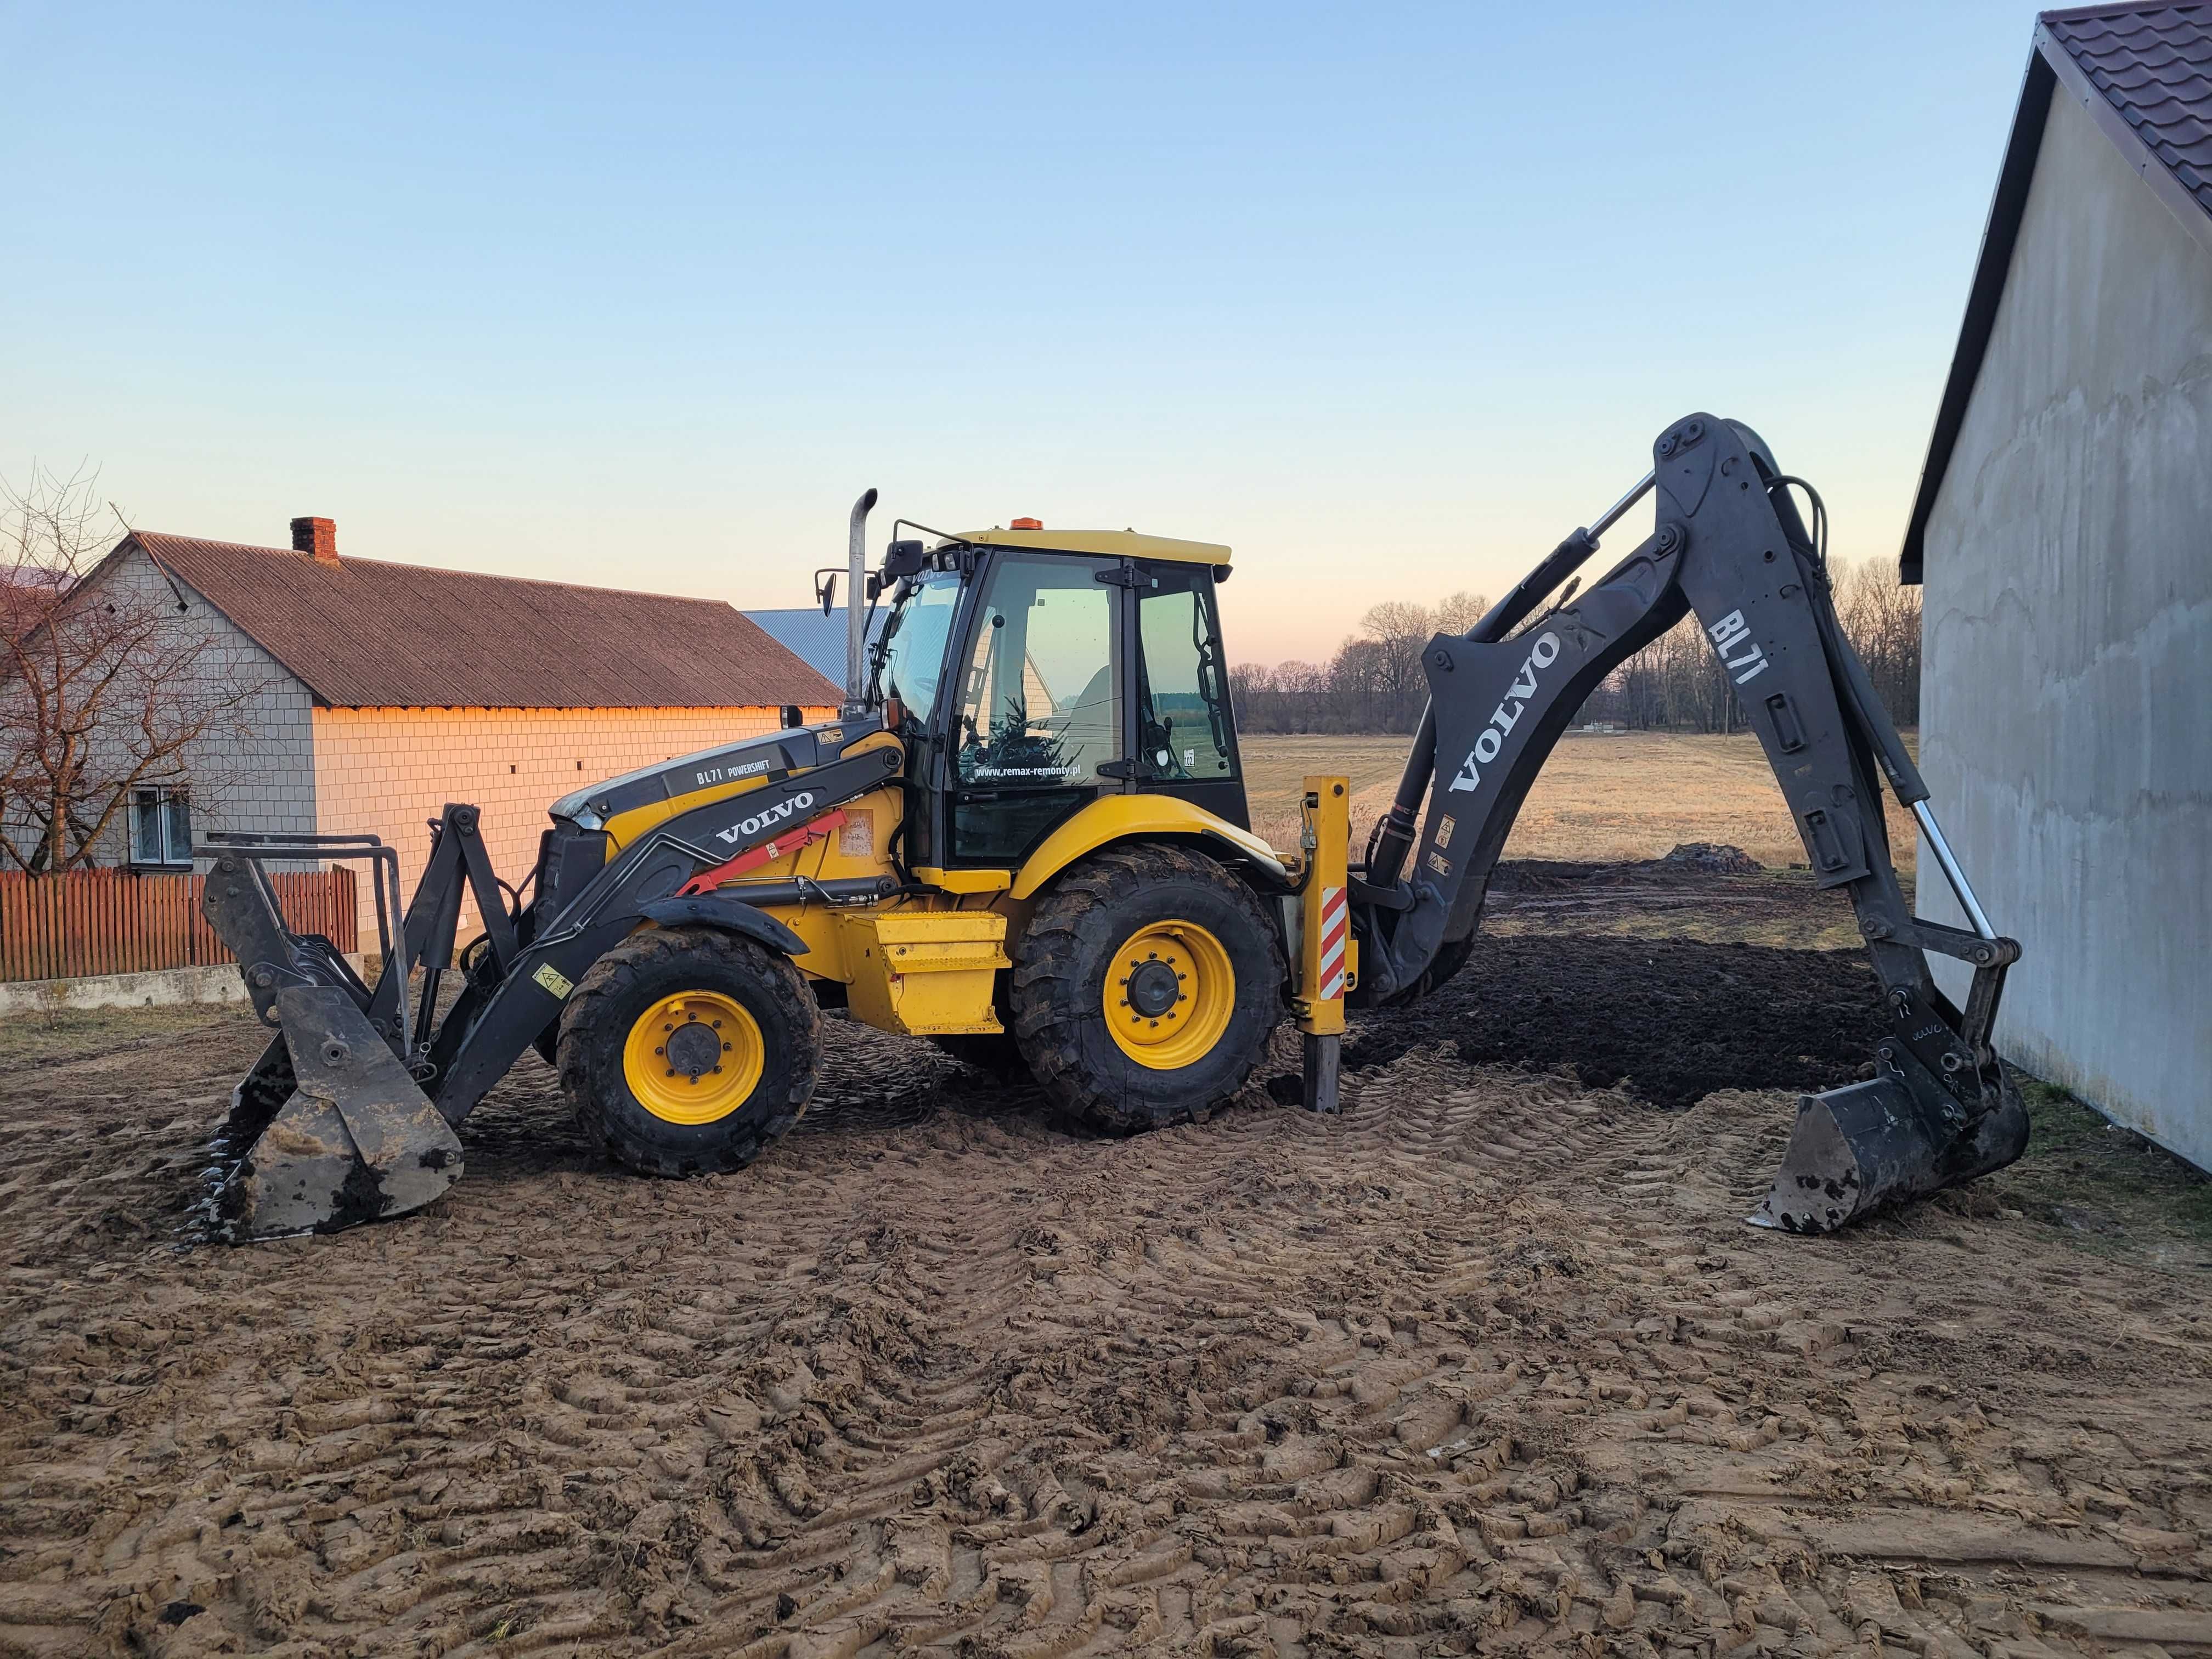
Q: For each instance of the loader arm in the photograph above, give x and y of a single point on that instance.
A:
(1730, 545)
(349, 1115)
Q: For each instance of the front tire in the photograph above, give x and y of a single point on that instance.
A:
(687, 1050)
(1145, 988)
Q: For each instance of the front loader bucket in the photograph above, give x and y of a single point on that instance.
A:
(1882, 1142)
(328, 1130)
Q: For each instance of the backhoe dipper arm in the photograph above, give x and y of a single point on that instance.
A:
(1730, 545)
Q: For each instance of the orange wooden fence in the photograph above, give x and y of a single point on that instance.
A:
(118, 921)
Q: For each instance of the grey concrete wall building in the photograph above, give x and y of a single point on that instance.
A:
(255, 771)
(2064, 535)
(258, 772)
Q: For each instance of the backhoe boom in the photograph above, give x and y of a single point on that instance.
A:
(1730, 545)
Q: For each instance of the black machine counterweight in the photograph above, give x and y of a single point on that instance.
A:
(1025, 838)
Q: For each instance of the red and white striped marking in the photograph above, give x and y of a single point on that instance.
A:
(1335, 931)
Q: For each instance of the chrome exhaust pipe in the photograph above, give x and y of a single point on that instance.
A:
(856, 613)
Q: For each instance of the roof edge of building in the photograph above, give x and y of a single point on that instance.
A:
(2008, 206)
(448, 570)
(163, 551)
(2049, 66)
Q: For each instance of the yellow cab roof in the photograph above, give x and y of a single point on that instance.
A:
(1109, 543)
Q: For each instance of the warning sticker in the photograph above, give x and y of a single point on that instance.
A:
(856, 836)
(1444, 828)
(554, 980)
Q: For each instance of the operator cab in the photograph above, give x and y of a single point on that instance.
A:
(1036, 671)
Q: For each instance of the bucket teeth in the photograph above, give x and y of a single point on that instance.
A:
(328, 1130)
(1858, 1148)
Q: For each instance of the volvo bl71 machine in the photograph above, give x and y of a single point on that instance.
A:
(1025, 836)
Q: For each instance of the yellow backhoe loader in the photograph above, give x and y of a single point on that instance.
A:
(1025, 837)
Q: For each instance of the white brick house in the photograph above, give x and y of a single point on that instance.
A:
(381, 691)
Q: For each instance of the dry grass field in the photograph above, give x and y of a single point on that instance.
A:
(1601, 798)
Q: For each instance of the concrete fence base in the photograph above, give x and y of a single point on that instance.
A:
(170, 987)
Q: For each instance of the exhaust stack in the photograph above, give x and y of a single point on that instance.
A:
(856, 614)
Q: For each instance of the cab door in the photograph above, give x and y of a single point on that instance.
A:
(1184, 730)
(1039, 729)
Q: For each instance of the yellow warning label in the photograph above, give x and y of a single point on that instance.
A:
(554, 980)
(1444, 828)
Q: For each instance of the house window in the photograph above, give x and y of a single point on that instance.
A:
(161, 828)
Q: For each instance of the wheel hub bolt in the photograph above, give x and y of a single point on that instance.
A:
(1153, 988)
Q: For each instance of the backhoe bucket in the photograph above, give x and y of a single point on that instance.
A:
(1882, 1142)
(328, 1130)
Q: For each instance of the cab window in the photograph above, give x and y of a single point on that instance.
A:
(1041, 708)
(911, 654)
(1184, 715)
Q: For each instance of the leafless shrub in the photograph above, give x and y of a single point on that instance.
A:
(107, 686)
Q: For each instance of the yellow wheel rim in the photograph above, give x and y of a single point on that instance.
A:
(1170, 993)
(694, 1057)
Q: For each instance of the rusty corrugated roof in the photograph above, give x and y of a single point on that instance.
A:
(364, 633)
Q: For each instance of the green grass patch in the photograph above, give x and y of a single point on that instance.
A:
(2105, 1187)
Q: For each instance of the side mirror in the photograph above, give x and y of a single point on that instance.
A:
(902, 559)
(825, 589)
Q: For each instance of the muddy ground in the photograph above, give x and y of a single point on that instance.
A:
(1488, 1363)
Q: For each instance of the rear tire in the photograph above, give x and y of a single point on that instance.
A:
(645, 1096)
(1110, 928)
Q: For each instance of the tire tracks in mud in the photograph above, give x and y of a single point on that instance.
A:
(1485, 1363)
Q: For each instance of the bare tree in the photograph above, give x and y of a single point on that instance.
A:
(1458, 613)
(1373, 681)
(107, 686)
(1676, 681)
(1882, 618)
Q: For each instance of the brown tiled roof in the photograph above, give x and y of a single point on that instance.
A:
(363, 632)
(2154, 64)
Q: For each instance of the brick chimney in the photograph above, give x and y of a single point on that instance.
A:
(317, 535)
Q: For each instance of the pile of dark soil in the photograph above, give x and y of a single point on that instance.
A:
(1671, 1020)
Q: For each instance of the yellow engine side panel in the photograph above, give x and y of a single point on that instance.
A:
(858, 848)
(926, 973)
(624, 828)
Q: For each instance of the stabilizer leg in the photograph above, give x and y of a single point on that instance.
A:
(353, 1141)
(1327, 958)
(1322, 1057)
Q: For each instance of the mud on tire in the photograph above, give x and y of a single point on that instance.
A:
(623, 984)
(1067, 954)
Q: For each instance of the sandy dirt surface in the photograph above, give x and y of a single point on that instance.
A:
(1488, 1363)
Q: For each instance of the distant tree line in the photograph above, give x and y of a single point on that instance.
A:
(1374, 681)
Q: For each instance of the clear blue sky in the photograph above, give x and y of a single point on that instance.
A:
(1389, 298)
